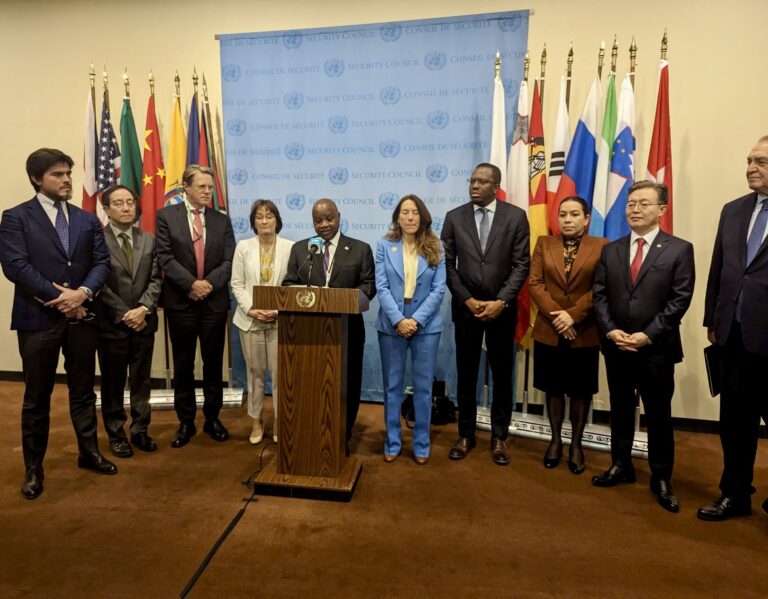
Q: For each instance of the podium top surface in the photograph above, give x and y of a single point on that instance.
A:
(323, 300)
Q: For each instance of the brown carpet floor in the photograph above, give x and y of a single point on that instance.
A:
(465, 529)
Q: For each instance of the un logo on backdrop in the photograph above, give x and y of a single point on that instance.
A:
(389, 95)
(294, 151)
(237, 176)
(436, 173)
(293, 100)
(230, 72)
(389, 148)
(338, 124)
(437, 119)
(510, 23)
(334, 67)
(236, 127)
(239, 225)
(437, 224)
(338, 175)
(295, 201)
(344, 226)
(292, 40)
(390, 32)
(435, 60)
(387, 200)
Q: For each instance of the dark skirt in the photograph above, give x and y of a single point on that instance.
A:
(564, 370)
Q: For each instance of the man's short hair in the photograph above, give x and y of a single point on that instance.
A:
(41, 160)
(494, 169)
(762, 140)
(661, 190)
(195, 169)
(112, 189)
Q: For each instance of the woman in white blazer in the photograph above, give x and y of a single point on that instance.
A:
(260, 260)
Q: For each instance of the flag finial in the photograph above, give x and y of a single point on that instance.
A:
(664, 45)
(104, 78)
(92, 75)
(177, 81)
(614, 54)
(126, 83)
(194, 78)
(526, 65)
(600, 59)
(151, 83)
(632, 60)
(568, 71)
(205, 89)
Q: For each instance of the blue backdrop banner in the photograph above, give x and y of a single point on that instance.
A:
(364, 115)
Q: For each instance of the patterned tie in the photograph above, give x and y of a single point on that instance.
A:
(758, 230)
(326, 255)
(127, 249)
(198, 241)
(637, 262)
(483, 228)
(62, 228)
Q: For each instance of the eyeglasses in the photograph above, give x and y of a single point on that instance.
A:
(121, 203)
(481, 181)
(641, 205)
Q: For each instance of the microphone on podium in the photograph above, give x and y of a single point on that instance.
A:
(313, 246)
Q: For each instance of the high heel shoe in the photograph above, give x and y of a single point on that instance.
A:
(553, 462)
(573, 466)
(257, 434)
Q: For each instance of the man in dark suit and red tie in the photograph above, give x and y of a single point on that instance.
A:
(487, 257)
(127, 322)
(195, 246)
(54, 253)
(736, 318)
(643, 287)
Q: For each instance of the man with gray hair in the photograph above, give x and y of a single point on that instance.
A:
(195, 246)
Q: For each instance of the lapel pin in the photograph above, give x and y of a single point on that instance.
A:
(658, 245)
(393, 248)
(346, 248)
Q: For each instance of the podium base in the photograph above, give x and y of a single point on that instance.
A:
(341, 488)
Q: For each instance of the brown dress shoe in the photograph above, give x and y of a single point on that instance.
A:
(390, 457)
(421, 461)
(499, 451)
(462, 447)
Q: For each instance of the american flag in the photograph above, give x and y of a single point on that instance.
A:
(108, 169)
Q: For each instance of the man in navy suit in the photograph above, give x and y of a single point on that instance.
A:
(487, 257)
(736, 318)
(55, 255)
(643, 287)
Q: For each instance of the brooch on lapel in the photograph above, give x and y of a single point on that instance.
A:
(393, 248)
(346, 248)
(658, 245)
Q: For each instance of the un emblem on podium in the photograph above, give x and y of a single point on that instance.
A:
(306, 298)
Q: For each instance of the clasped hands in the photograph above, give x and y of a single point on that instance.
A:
(136, 318)
(484, 310)
(407, 327)
(69, 302)
(263, 315)
(200, 290)
(628, 342)
(563, 323)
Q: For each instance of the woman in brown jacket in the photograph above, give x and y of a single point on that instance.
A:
(566, 348)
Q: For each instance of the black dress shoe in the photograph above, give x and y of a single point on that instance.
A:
(215, 430)
(144, 442)
(613, 476)
(120, 448)
(724, 508)
(33, 483)
(462, 447)
(183, 434)
(662, 488)
(499, 451)
(554, 462)
(576, 468)
(96, 463)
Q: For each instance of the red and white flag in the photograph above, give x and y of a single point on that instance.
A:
(517, 169)
(660, 154)
(90, 188)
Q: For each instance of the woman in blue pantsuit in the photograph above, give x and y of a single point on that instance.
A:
(410, 281)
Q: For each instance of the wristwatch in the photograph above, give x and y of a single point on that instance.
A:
(504, 304)
(88, 293)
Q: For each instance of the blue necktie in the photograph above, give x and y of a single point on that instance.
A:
(62, 228)
(484, 228)
(758, 230)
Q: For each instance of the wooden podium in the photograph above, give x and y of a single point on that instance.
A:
(312, 373)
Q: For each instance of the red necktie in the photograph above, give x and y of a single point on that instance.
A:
(199, 243)
(637, 261)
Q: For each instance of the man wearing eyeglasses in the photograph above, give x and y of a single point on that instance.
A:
(487, 258)
(195, 246)
(643, 287)
(127, 323)
(54, 254)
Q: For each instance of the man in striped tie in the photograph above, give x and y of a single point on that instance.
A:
(643, 287)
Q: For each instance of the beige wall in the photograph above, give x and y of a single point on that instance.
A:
(718, 91)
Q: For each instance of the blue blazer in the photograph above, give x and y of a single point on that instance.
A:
(390, 284)
(33, 259)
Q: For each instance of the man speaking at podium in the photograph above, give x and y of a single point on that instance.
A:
(335, 260)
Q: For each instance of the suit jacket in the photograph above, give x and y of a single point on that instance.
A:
(176, 256)
(390, 284)
(500, 271)
(129, 288)
(352, 266)
(550, 291)
(33, 259)
(657, 301)
(730, 276)
(246, 273)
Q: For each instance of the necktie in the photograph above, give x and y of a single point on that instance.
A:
(637, 262)
(483, 228)
(62, 228)
(756, 236)
(127, 249)
(199, 244)
(326, 256)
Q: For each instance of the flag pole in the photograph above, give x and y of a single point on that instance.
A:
(632, 61)
(543, 72)
(212, 146)
(568, 77)
(614, 54)
(664, 45)
(600, 59)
